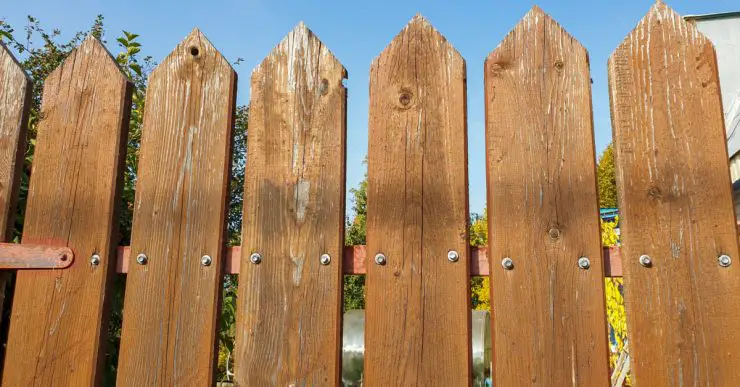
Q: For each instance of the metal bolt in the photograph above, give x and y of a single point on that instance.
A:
(95, 260)
(724, 260)
(453, 256)
(206, 260)
(380, 259)
(584, 263)
(255, 258)
(507, 263)
(646, 261)
(141, 259)
(325, 259)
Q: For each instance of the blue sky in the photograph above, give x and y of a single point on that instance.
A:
(356, 32)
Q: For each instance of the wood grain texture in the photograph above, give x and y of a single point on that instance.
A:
(59, 318)
(549, 321)
(15, 103)
(289, 305)
(676, 205)
(417, 309)
(171, 305)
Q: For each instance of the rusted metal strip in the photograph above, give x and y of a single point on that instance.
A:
(354, 260)
(15, 257)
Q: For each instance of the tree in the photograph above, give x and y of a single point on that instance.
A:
(607, 178)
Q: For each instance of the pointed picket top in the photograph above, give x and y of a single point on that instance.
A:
(301, 51)
(194, 48)
(661, 17)
(97, 52)
(421, 24)
(537, 25)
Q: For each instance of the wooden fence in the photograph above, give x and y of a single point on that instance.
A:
(545, 259)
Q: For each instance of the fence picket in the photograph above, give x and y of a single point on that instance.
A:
(171, 305)
(15, 102)
(549, 314)
(58, 323)
(289, 304)
(676, 205)
(418, 317)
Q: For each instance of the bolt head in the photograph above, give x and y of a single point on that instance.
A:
(507, 263)
(453, 256)
(584, 263)
(95, 260)
(646, 261)
(206, 260)
(255, 258)
(724, 260)
(325, 259)
(142, 259)
(380, 259)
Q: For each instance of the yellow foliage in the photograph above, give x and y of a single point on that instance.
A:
(609, 235)
(481, 293)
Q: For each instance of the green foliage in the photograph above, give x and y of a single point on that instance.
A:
(236, 185)
(227, 332)
(356, 230)
(607, 179)
(480, 287)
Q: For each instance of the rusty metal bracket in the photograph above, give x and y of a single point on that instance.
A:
(15, 256)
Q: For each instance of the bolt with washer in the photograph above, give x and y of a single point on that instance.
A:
(646, 261)
(507, 263)
(453, 256)
(255, 258)
(724, 260)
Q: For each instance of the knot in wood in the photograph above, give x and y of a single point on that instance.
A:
(554, 233)
(194, 51)
(405, 99)
(559, 65)
(497, 68)
(655, 193)
(324, 87)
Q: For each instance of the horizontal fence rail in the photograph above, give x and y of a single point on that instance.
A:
(545, 260)
(354, 260)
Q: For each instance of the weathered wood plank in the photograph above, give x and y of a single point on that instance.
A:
(15, 103)
(171, 305)
(676, 205)
(289, 305)
(549, 325)
(418, 317)
(59, 320)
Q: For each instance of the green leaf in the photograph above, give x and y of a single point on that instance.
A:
(130, 36)
(135, 68)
